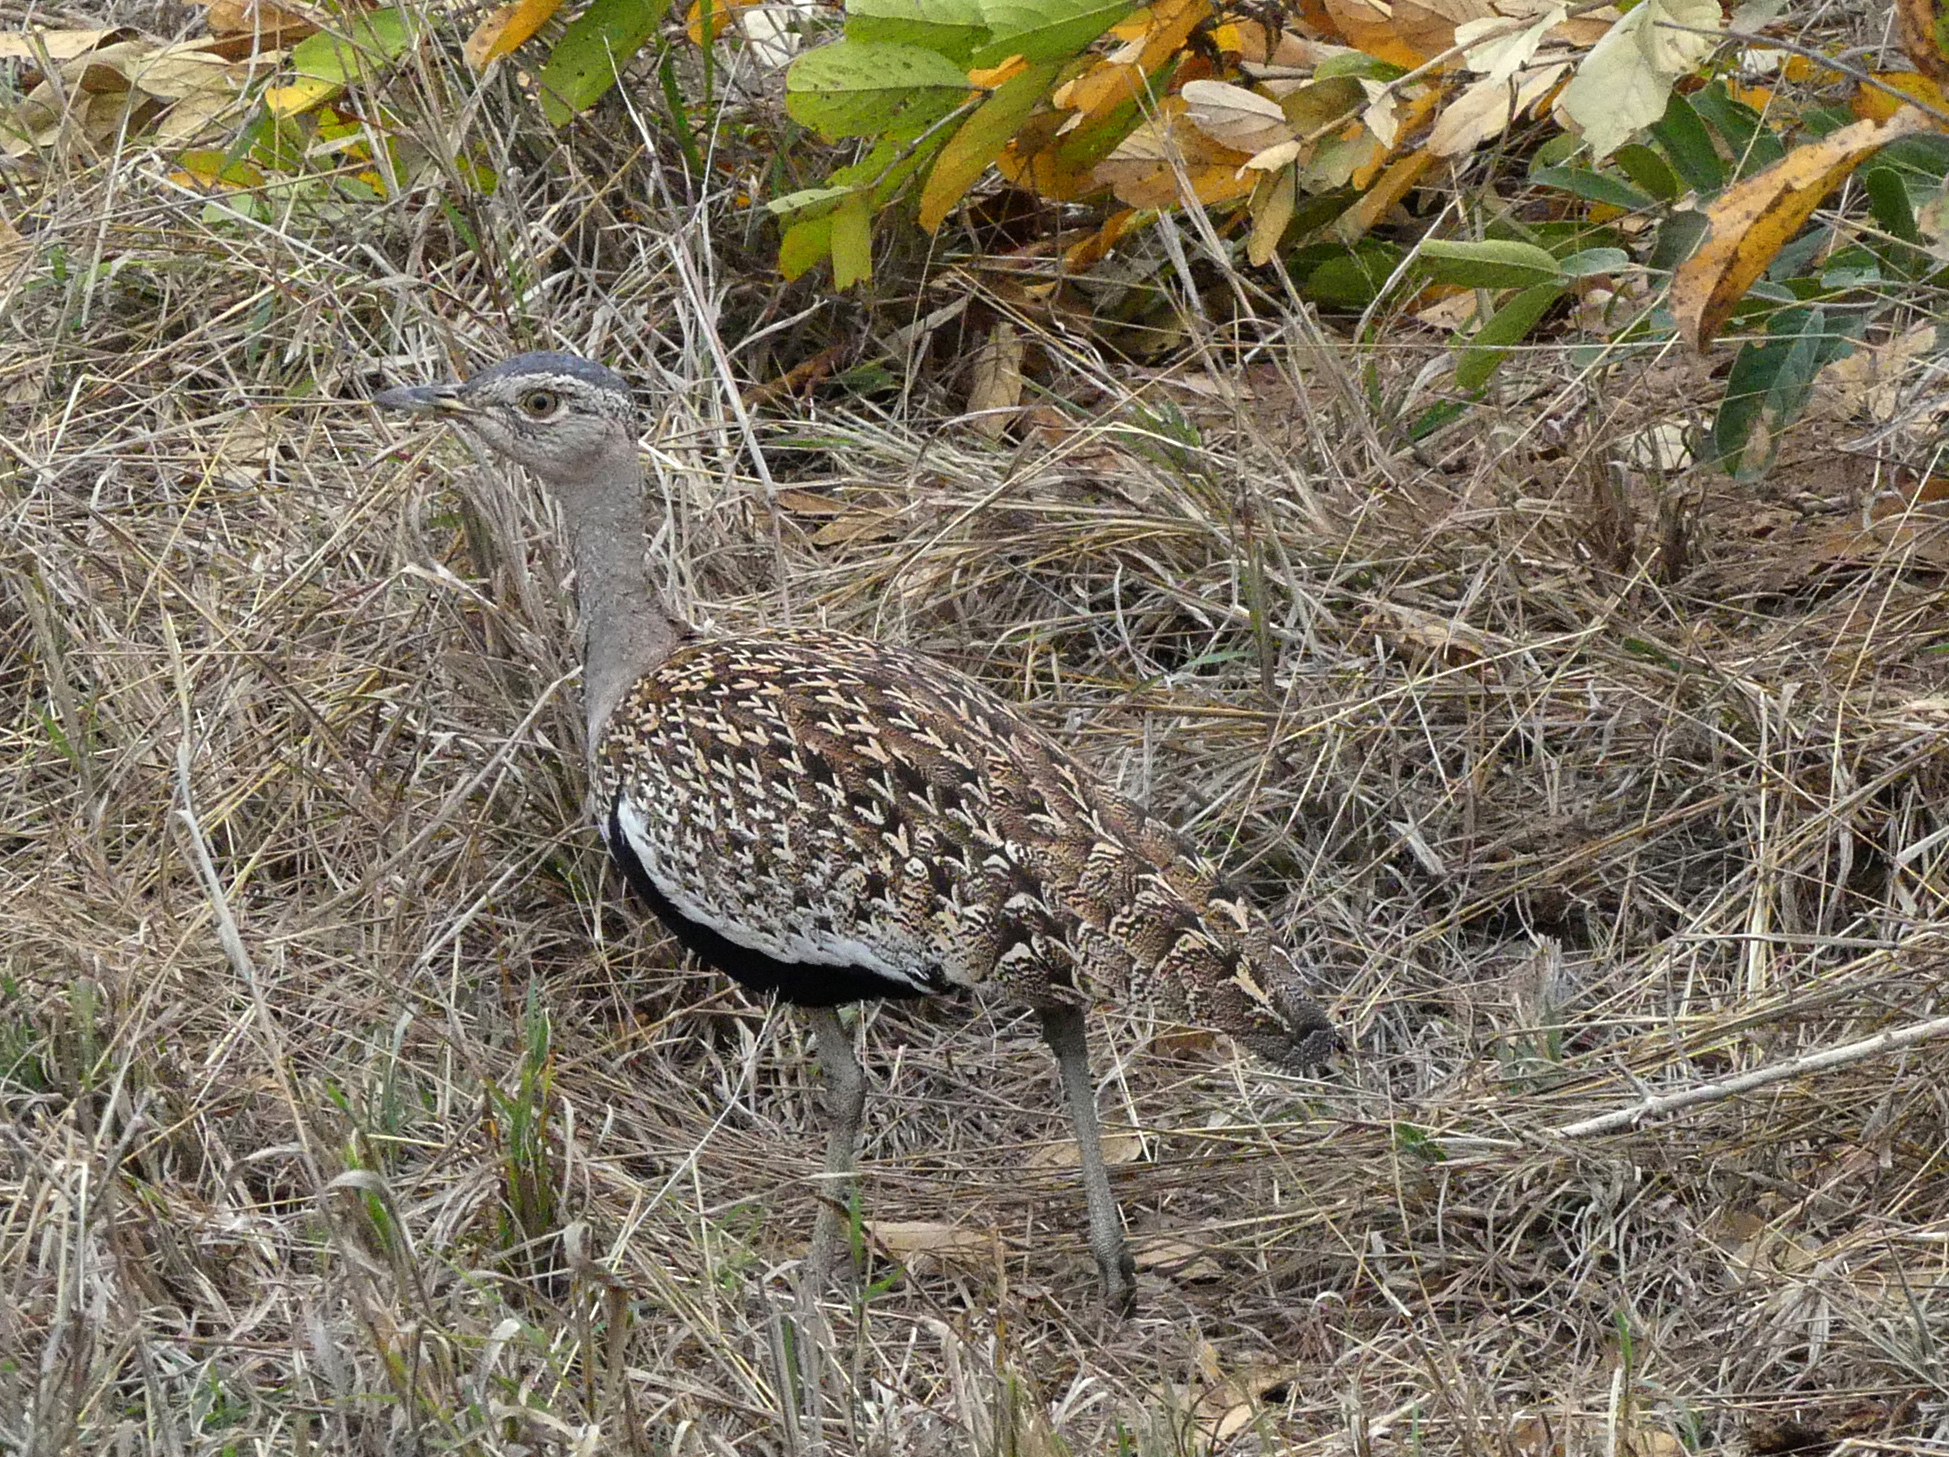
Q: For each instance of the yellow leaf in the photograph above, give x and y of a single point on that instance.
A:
(996, 76)
(1272, 207)
(852, 241)
(1752, 220)
(1875, 104)
(979, 141)
(1245, 39)
(505, 28)
(1100, 90)
(1802, 69)
(300, 96)
(1172, 24)
(719, 16)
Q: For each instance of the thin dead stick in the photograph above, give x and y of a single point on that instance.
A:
(232, 941)
(1732, 1087)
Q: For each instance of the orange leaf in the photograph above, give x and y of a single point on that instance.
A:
(1752, 220)
(1122, 76)
(1098, 244)
(1428, 26)
(722, 19)
(270, 25)
(504, 29)
(991, 77)
(1367, 27)
(1372, 205)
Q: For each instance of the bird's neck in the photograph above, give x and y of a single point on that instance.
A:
(626, 629)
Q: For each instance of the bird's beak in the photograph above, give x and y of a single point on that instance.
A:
(424, 399)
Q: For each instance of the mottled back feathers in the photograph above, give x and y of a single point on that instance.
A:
(819, 801)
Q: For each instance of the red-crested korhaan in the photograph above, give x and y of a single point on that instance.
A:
(828, 819)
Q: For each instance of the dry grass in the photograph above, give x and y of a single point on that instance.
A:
(1578, 793)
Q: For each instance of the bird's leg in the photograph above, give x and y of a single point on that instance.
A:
(846, 1085)
(1063, 1030)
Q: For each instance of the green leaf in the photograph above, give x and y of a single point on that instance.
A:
(1045, 30)
(1678, 239)
(598, 43)
(366, 42)
(886, 168)
(1768, 387)
(1752, 145)
(1594, 187)
(1360, 67)
(1595, 260)
(1493, 264)
(1889, 201)
(950, 28)
(1925, 152)
(803, 245)
(980, 140)
(1689, 145)
(1557, 151)
(1418, 1143)
(852, 242)
(855, 88)
(815, 201)
(1435, 417)
(1502, 331)
(1349, 281)
(1648, 171)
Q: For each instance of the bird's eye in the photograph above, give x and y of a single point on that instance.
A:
(540, 404)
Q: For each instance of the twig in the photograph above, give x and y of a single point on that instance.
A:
(1713, 1092)
(232, 941)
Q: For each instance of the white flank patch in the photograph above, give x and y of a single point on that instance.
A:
(781, 941)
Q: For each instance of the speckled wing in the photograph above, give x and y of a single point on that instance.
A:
(825, 802)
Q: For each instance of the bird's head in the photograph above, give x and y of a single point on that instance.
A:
(565, 418)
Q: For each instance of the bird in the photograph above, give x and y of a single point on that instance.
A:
(828, 819)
